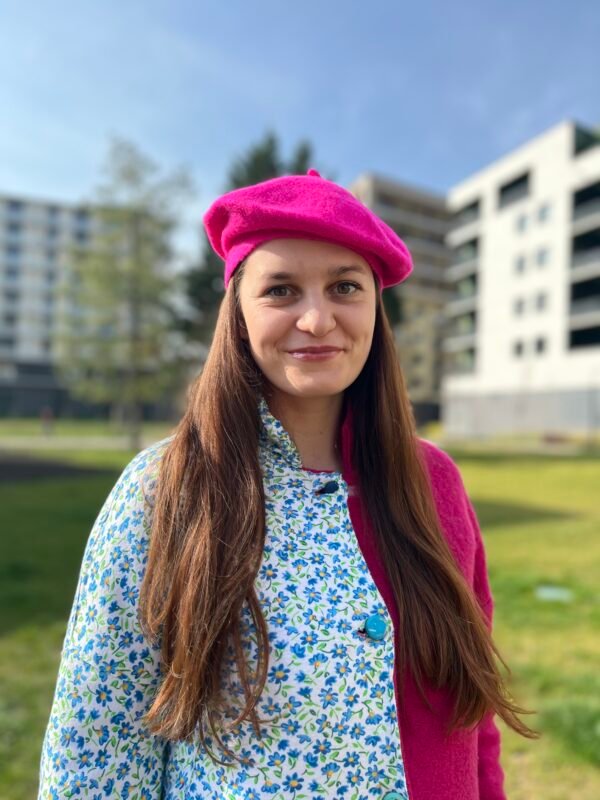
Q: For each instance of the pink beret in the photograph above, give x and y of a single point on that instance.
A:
(306, 207)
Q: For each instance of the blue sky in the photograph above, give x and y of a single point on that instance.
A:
(425, 92)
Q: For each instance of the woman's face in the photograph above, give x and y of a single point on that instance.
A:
(309, 314)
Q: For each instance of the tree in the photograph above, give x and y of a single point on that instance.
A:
(117, 339)
(205, 280)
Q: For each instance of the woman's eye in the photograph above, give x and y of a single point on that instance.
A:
(353, 287)
(343, 287)
(274, 291)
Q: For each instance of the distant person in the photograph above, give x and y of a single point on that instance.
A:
(288, 597)
(47, 420)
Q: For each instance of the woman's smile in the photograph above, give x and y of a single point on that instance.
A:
(315, 353)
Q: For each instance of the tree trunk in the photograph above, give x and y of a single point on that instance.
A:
(135, 426)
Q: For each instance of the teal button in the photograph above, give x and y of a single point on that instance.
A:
(393, 796)
(376, 627)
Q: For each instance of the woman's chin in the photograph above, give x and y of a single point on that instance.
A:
(314, 388)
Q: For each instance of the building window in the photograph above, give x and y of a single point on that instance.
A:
(584, 139)
(542, 257)
(463, 361)
(81, 226)
(519, 306)
(52, 233)
(586, 200)
(466, 214)
(585, 247)
(10, 319)
(514, 190)
(521, 224)
(50, 255)
(520, 264)
(540, 344)
(466, 251)
(13, 228)
(585, 337)
(540, 301)
(14, 208)
(543, 213)
(518, 349)
(81, 217)
(53, 213)
(7, 341)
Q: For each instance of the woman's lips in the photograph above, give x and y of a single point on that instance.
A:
(314, 355)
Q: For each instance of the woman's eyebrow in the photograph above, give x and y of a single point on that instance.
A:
(332, 271)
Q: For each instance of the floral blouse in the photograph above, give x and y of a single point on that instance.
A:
(331, 725)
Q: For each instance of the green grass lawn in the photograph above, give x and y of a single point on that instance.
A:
(541, 522)
(31, 427)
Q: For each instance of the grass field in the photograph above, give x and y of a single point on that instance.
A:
(30, 427)
(541, 522)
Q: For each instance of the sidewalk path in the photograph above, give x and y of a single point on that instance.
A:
(63, 443)
(15, 467)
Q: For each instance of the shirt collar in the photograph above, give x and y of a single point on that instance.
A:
(277, 442)
(275, 439)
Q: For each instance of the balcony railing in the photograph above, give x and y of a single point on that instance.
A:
(586, 305)
(459, 305)
(585, 257)
(461, 368)
(462, 256)
(471, 294)
(464, 218)
(587, 209)
(455, 272)
(455, 344)
(400, 216)
(467, 287)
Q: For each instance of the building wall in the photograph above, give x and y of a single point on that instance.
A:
(422, 220)
(525, 251)
(35, 241)
(36, 238)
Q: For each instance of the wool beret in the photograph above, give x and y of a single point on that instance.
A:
(303, 207)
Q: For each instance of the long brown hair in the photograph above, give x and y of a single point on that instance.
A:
(208, 533)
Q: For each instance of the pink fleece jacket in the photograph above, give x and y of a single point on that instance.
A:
(465, 766)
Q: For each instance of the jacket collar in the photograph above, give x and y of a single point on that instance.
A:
(277, 442)
(274, 438)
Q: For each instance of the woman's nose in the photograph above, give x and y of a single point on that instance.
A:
(316, 318)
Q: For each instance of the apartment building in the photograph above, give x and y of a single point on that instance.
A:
(36, 238)
(523, 343)
(422, 220)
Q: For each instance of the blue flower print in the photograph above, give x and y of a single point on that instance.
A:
(328, 710)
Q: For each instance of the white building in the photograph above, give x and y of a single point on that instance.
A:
(523, 352)
(36, 238)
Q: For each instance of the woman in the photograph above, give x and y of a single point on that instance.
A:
(288, 598)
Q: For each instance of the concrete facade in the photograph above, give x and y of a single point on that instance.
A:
(523, 345)
(36, 238)
(422, 220)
